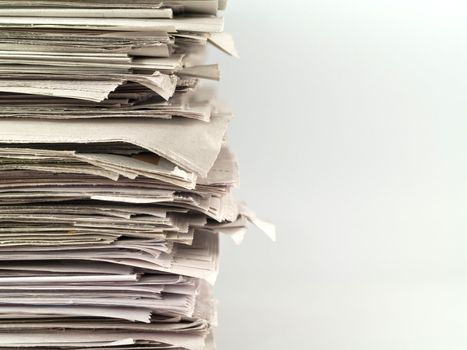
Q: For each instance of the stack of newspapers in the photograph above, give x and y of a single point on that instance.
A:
(115, 174)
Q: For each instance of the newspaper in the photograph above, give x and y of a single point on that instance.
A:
(116, 177)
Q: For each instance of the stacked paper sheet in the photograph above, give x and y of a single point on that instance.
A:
(115, 176)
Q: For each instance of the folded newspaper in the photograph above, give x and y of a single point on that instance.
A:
(115, 174)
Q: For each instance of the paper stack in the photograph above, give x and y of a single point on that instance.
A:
(115, 174)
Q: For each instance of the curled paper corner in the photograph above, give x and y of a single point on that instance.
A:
(162, 84)
(267, 227)
(224, 42)
(238, 235)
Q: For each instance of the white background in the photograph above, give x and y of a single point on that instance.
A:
(351, 132)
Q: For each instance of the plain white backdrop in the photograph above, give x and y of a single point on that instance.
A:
(351, 133)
